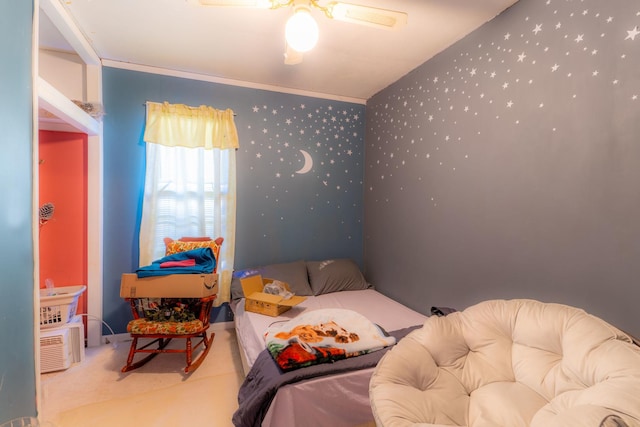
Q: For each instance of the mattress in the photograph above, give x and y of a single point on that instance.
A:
(344, 398)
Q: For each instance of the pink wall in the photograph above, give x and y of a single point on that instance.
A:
(63, 182)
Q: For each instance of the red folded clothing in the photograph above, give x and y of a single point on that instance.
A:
(182, 263)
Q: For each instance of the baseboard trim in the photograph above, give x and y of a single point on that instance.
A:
(221, 326)
(115, 338)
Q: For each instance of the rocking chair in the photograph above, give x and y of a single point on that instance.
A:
(162, 332)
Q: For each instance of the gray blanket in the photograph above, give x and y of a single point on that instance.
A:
(264, 379)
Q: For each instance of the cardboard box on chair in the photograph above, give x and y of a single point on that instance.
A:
(171, 286)
(260, 302)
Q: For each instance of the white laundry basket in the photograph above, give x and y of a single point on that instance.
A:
(59, 308)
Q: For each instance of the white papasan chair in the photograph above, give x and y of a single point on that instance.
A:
(514, 363)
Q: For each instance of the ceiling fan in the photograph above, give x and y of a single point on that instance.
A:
(301, 31)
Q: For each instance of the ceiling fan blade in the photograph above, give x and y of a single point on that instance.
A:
(292, 56)
(261, 4)
(366, 15)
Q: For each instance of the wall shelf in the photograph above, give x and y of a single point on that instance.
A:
(59, 113)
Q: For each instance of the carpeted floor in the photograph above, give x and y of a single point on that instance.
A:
(95, 393)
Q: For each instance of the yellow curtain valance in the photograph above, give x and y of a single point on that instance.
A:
(181, 125)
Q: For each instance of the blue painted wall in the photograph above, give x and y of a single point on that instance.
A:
(508, 165)
(282, 215)
(17, 372)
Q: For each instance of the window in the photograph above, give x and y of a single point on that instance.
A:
(189, 189)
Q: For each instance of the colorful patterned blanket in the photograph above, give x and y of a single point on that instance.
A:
(322, 336)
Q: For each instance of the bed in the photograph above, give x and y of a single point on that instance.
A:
(336, 400)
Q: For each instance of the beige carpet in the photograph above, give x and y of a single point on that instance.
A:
(96, 393)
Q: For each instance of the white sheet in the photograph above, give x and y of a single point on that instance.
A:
(338, 400)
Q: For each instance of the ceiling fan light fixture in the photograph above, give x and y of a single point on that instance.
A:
(301, 31)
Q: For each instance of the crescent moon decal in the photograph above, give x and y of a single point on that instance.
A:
(308, 163)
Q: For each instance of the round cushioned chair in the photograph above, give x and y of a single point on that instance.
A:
(510, 363)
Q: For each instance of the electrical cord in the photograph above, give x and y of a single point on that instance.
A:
(114, 343)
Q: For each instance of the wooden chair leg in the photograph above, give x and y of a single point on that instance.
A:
(162, 343)
(192, 365)
(207, 346)
(132, 352)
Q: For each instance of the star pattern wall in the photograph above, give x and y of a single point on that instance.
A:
(331, 134)
(308, 155)
(524, 77)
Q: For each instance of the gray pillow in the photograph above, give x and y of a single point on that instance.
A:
(293, 273)
(335, 275)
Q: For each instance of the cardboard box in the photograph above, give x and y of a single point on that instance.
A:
(172, 286)
(257, 301)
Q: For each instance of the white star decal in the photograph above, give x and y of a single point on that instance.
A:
(521, 57)
(537, 29)
(579, 38)
(632, 33)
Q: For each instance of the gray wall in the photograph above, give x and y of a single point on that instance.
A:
(17, 372)
(508, 165)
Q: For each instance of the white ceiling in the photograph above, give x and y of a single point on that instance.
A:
(350, 61)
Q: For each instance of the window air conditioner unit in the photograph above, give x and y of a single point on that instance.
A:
(61, 347)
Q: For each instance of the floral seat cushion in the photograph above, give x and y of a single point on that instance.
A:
(145, 326)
